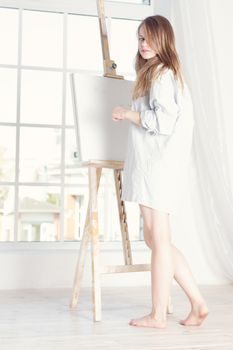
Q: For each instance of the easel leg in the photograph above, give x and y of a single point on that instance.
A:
(81, 261)
(123, 219)
(94, 174)
(82, 256)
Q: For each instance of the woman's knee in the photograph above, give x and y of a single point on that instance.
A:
(147, 235)
(148, 243)
(160, 236)
(156, 227)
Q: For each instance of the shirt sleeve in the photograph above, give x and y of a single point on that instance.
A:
(162, 116)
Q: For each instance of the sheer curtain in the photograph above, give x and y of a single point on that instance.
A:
(202, 31)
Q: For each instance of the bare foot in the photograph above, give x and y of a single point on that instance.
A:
(197, 315)
(147, 321)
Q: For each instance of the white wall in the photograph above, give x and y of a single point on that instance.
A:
(31, 266)
(30, 269)
(47, 266)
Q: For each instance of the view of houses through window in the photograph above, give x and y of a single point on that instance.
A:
(43, 194)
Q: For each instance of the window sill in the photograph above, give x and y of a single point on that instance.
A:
(75, 246)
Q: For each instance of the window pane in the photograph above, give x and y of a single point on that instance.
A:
(9, 36)
(40, 154)
(107, 201)
(75, 211)
(7, 153)
(8, 93)
(41, 100)
(73, 173)
(42, 39)
(84, 45)
(109, 224)
(69, 103)
(6, 213)
(108, 210)
(134, 221)
(39, 214)
(76, 202)
(71, 147)
(124, 44)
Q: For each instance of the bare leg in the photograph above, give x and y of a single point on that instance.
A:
(162, 269)
(185, 279)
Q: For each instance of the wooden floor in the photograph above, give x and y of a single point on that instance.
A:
(41, 319)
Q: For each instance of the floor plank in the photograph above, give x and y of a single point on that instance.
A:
(41, 319)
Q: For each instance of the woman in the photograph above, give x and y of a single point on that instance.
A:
(159, 145)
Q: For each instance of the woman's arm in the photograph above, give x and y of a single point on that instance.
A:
(121, 113)
(162, 116)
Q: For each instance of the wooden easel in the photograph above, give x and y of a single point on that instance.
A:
(91, 228)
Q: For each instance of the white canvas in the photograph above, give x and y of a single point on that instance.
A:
(94, 97)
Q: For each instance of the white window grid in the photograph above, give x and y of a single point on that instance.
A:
(24, 5)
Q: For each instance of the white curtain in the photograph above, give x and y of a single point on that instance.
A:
(203, 29)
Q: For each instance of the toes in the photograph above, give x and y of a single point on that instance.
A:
(190, 323)
(135, 323)
(131, 322)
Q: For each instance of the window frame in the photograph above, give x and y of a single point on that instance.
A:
(112, 10)
(118, 10)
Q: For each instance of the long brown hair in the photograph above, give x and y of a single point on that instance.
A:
(160, 37)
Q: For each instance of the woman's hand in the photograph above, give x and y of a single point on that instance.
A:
(119, 113)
